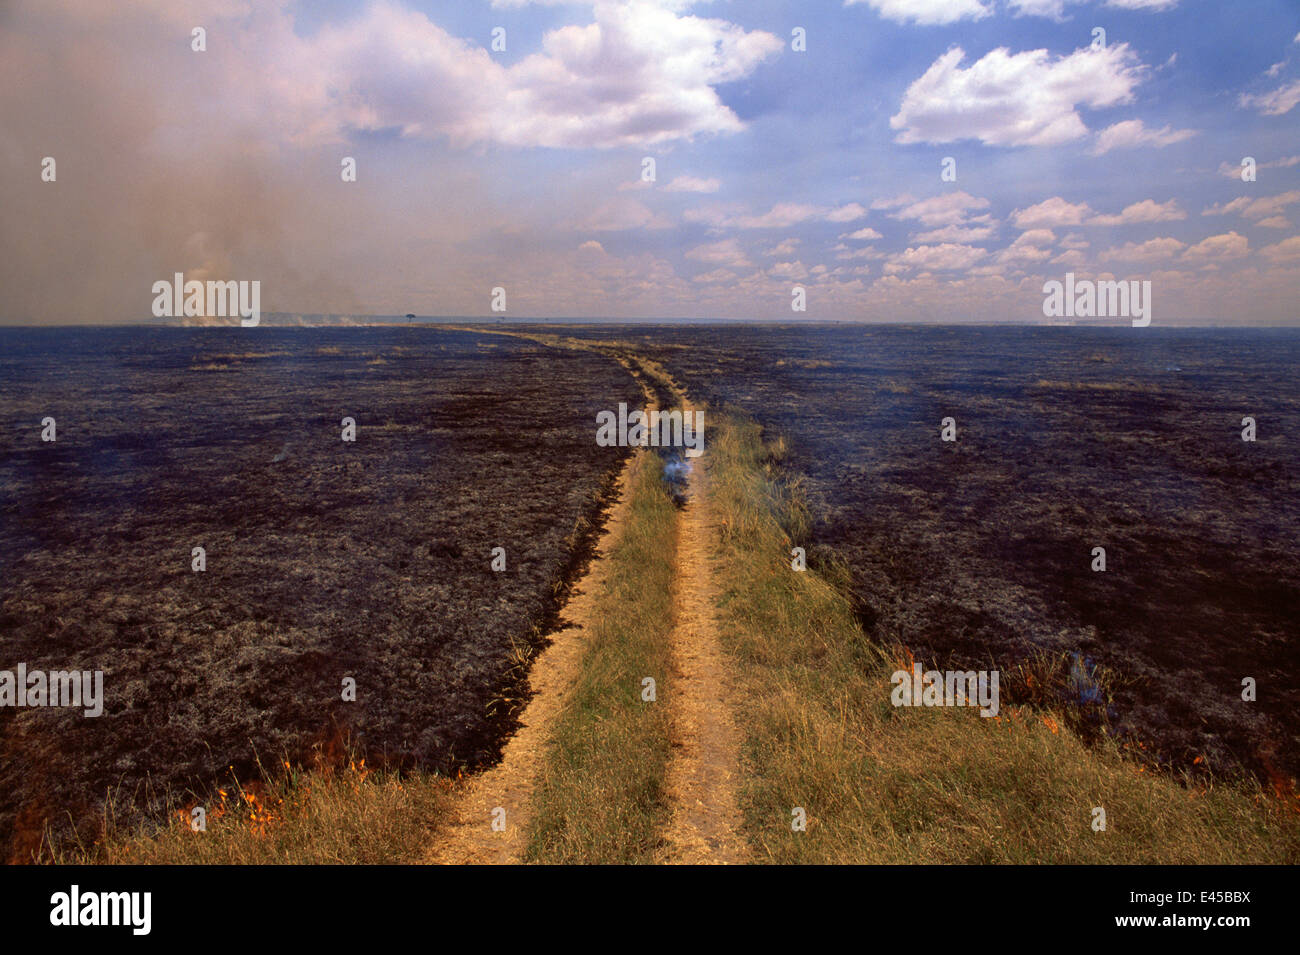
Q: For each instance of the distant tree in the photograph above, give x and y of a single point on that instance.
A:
(409, 318)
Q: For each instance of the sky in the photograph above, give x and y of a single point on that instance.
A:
(652, 158)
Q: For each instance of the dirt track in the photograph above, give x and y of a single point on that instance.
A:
(702, 774)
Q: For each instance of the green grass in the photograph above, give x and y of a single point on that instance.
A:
(600, 793)
(881, 784)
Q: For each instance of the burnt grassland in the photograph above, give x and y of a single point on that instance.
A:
(880, 784)
(325, 559)
(977, 554)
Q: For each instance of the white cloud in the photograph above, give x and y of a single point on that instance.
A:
(1154, 5)
(956, 233)
(946, 256)
(1275, 222)
(692, 184)
(1261, 208)
(866, 252)
(639, 74)
(894, 202)
(1029, 247)
(780, 216)
(846, 213)
(1148, 210)
(866, 234)
(725, 253)
(1233, 169)
(717, 276)
(1054, 9)
(788, 270)
(1275, 102)
(1288, 250)
(1051, 212)
(1131, 133)
(1153, 250)
(1036, 237)
(783, 248)
(927, 12)
(1021, 99)
(950, 208)
(1071, 258)
(1229, 245)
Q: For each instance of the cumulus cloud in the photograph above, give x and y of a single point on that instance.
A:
(780, 216)
(639, 74)
(1153, 5)
(1229, 245)
(1288, 250)
(865, 234)
(1132, 133)
(957, 233)
(1261, 208)
(1029, 247)
(1054, 9)
(788, 270)
(1071, 258)
(950, 208)
(846, 213)
(1015, 99)
(716, 277)
(927, 12)
(1148, 210)
(946, 256)
(1153, 250)
(725, 253)
(1050, 213)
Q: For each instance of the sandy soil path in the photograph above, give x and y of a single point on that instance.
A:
(703, 773)
(470, 838)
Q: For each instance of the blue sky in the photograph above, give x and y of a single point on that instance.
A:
(522, 168)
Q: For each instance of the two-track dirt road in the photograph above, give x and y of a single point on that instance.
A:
(703, 773)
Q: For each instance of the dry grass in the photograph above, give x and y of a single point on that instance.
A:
(600, 795)
(345, 816)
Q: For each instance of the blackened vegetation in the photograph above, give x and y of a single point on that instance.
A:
(325, 559)
(977, 553)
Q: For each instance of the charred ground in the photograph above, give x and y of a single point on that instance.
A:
(325, 559)
(977, 553)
